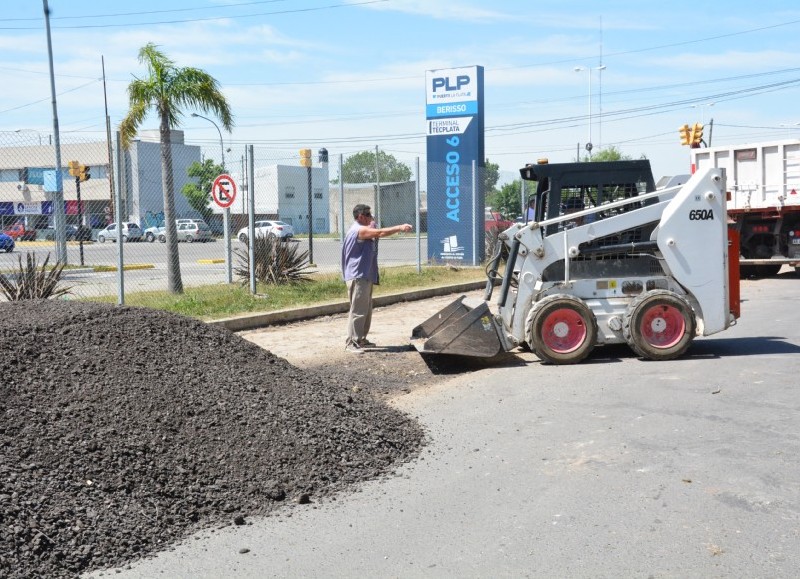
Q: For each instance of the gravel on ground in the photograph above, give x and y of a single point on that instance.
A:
(124, 430)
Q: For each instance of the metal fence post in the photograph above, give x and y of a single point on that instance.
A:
(251, 218)
(417, 224)
(341, 198)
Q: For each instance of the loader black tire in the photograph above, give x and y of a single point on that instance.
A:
(659, 325)
(561, 329)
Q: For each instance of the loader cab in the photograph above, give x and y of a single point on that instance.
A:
(563, 188)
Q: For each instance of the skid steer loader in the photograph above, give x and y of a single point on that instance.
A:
(608, 259)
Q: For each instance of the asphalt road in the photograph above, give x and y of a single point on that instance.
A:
(201, 263)
(326, 251)
(613, 468)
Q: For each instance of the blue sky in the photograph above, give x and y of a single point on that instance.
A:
(349, 74)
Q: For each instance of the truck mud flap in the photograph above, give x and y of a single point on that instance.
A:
(461, 328)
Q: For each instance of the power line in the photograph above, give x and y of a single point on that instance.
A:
(206, 19)
(145, 13)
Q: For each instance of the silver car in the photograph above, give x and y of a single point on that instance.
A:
(264, 228)
(130, 232)
(190, 231)
(152, 233)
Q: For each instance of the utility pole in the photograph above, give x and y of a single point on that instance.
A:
(305, 161)
(58, 194)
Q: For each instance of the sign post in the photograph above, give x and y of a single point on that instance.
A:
(223, 191)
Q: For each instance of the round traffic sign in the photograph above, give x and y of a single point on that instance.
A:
(223, 191)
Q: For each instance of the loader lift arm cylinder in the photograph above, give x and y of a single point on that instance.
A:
(513, 251)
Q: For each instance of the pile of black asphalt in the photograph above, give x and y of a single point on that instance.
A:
(124, 430)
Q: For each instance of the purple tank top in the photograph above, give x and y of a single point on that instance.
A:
(359, 256)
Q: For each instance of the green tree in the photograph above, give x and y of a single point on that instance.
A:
(491, 175)
(360, 168)
(610, 153)
(167, 90)
(198, 194)
(507, 200)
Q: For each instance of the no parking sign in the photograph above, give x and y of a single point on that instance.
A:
(223, 191)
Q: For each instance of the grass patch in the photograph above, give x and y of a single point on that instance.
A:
(222, 300)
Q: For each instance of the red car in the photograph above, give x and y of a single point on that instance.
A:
(19, 233)
(494, 220)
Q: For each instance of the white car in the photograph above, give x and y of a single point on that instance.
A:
(130, 232)
(279, 229)
(152, 233)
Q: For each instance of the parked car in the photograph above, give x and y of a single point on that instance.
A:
(194, 231)
(494, 220)
(19, 232)
(79, 233)
(130, 232)
(279, 229)
(189, 230)
(152, 233)
(6, 243)
(217, 228)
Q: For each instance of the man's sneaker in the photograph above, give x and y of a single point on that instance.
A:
(353, 348)
(364, 343)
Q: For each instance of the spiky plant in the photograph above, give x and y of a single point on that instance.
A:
(34, 282)
(275, 262)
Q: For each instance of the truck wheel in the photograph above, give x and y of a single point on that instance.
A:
(243, 238)
(659, 325)
(150, 237)
(561, 329)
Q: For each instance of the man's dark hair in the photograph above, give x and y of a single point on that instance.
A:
(360, 209)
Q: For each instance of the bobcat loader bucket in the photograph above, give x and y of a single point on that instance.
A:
(465, 329)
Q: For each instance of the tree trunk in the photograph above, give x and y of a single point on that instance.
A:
(174, 282)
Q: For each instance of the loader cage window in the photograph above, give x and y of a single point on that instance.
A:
(564, 188)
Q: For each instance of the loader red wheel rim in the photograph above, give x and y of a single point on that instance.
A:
(663, 326)
(564, 331)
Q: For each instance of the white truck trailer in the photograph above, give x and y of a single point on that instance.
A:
(763, 181)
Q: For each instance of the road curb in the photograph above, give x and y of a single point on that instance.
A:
(263, 319)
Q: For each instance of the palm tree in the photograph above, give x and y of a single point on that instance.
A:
(167, 89)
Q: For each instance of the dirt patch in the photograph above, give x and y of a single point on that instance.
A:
(124, 429)
(393, 368)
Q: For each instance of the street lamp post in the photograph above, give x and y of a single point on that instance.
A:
(589, 145)
(226, 212)
(702, 107)
(38, 134)
(221, 145)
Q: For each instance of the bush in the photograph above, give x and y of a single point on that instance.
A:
(32, 283)
(275, 262)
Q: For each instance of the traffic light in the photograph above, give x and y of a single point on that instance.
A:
(697, 135)
(305, 157)
(74, 168)
(686, 137)
(84, 174)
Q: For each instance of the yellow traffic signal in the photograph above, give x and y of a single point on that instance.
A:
(74, 168)
(84, 174)
(697, 135)
(686, 137)
(305, 157)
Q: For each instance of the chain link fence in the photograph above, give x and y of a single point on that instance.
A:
(123, 199)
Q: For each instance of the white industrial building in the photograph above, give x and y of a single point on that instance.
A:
(282, 192)
(136, 173)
